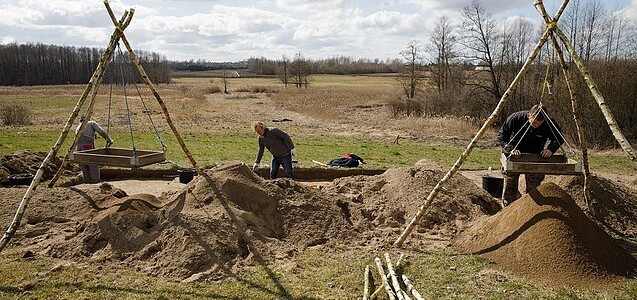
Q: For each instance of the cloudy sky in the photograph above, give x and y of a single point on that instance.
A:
(232, 30)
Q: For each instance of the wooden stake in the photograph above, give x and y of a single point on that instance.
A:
(366, 284)
(411, 288)
(380, 288)
(394, 278)
(379, 265)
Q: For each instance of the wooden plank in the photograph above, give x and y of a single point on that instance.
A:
(531, 157)
(533, 164)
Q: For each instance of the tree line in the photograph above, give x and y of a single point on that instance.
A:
(40, 64)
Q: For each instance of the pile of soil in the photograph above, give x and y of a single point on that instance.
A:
(613, 205)
(387, 202)
(231, 218)
(217, 223)
(546, 237)
(26, 162)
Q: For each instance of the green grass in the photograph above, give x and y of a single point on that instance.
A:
(210, 150)
(315, 275)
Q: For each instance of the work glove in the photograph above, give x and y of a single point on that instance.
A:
(293, 151)
(109, 143)
(254, 166)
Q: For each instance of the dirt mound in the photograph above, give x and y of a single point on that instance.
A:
(546, 237)
(26, 162)
(391, 199)
(217, 223)
(613, 205)
(231, 218)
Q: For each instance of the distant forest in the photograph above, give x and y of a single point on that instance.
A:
(39, 64)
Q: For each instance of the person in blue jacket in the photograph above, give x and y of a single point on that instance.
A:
(280, 146)
(527, 131)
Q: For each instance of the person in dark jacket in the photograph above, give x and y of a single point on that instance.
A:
(527, 131)
(280, 146)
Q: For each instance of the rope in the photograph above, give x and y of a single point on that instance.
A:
(130, 125)
(546, 85)
(110, 95)
(526, 125)
(147, 112)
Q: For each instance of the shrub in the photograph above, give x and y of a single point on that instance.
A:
(255, 89)
(215, 89)
(406, 107)
(15, 115)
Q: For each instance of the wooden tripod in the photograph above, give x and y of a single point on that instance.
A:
(96, 78)
(551, 31)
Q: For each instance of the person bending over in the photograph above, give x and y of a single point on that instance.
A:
(280, 146)
(527, 131)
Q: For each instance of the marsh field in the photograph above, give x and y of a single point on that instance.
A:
(333, 116)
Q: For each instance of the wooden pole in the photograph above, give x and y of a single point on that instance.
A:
(394, 279)
(539, 5)
(94, 81)
(423, 208)
(151, 86)
(411, 288)
(380, 288)
(601, 102)
(578, 124)
(366, 283)
(379, 265)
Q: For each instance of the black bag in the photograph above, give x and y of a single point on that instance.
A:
(348, 160)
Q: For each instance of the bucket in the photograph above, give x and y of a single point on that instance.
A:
(493, 185)
(186, 175)
(20, 179)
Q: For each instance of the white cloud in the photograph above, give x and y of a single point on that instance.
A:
(237, 29)
(392, 22)
(310, 5)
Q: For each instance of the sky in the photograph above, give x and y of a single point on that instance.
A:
(234, 30)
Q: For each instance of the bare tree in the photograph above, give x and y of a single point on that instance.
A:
(480, 38)
(614, 33)
(592, 29)
(300, 71)
(443, 51)
(283, 70)
(225, 81)
(411, 75)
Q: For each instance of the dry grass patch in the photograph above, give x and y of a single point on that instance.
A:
(330, 102)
